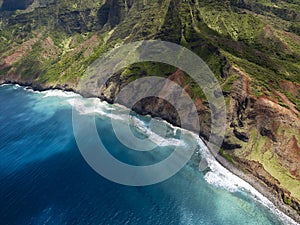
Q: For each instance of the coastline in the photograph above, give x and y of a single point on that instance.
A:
(260, 187)
(255, 182)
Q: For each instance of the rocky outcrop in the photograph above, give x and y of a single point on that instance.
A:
(266, 117)
(159, 107)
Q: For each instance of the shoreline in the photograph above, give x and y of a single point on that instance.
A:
(258, 185)
(253, 181)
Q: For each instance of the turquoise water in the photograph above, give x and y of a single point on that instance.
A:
(45, 180)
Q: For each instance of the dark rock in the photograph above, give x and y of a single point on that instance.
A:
(227, 145)
(241, 135)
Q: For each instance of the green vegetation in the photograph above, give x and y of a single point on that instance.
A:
(228, 23)
(287, 201)
(72, 64)
(227, 86)
(226, 155)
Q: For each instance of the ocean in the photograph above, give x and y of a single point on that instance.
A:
(44, 178)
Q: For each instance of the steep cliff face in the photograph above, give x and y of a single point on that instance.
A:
(267, 135)
(253, 48)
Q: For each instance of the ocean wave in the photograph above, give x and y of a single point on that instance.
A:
(3, 85)
(94, 106)
(155, 138)
(31, 90)
(59, 93)
(16, 86)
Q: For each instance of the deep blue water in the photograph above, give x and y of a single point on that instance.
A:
(45, 180)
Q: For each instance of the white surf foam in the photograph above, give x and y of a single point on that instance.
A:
(59, 93)
(94, 106)
(3, 85)
(155, 138)
(31, 90)
(16, 86)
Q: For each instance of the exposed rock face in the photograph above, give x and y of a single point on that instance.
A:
(239, 110)
(268, 117)
(294, 88)
(159, 107)
(20, 52)
(264, 116)
(291, 154)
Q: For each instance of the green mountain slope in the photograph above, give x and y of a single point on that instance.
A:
(253, 48)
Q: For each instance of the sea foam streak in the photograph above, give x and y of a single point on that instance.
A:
(91, 106)
(94, 105)
(59, 93)
(157, 139)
